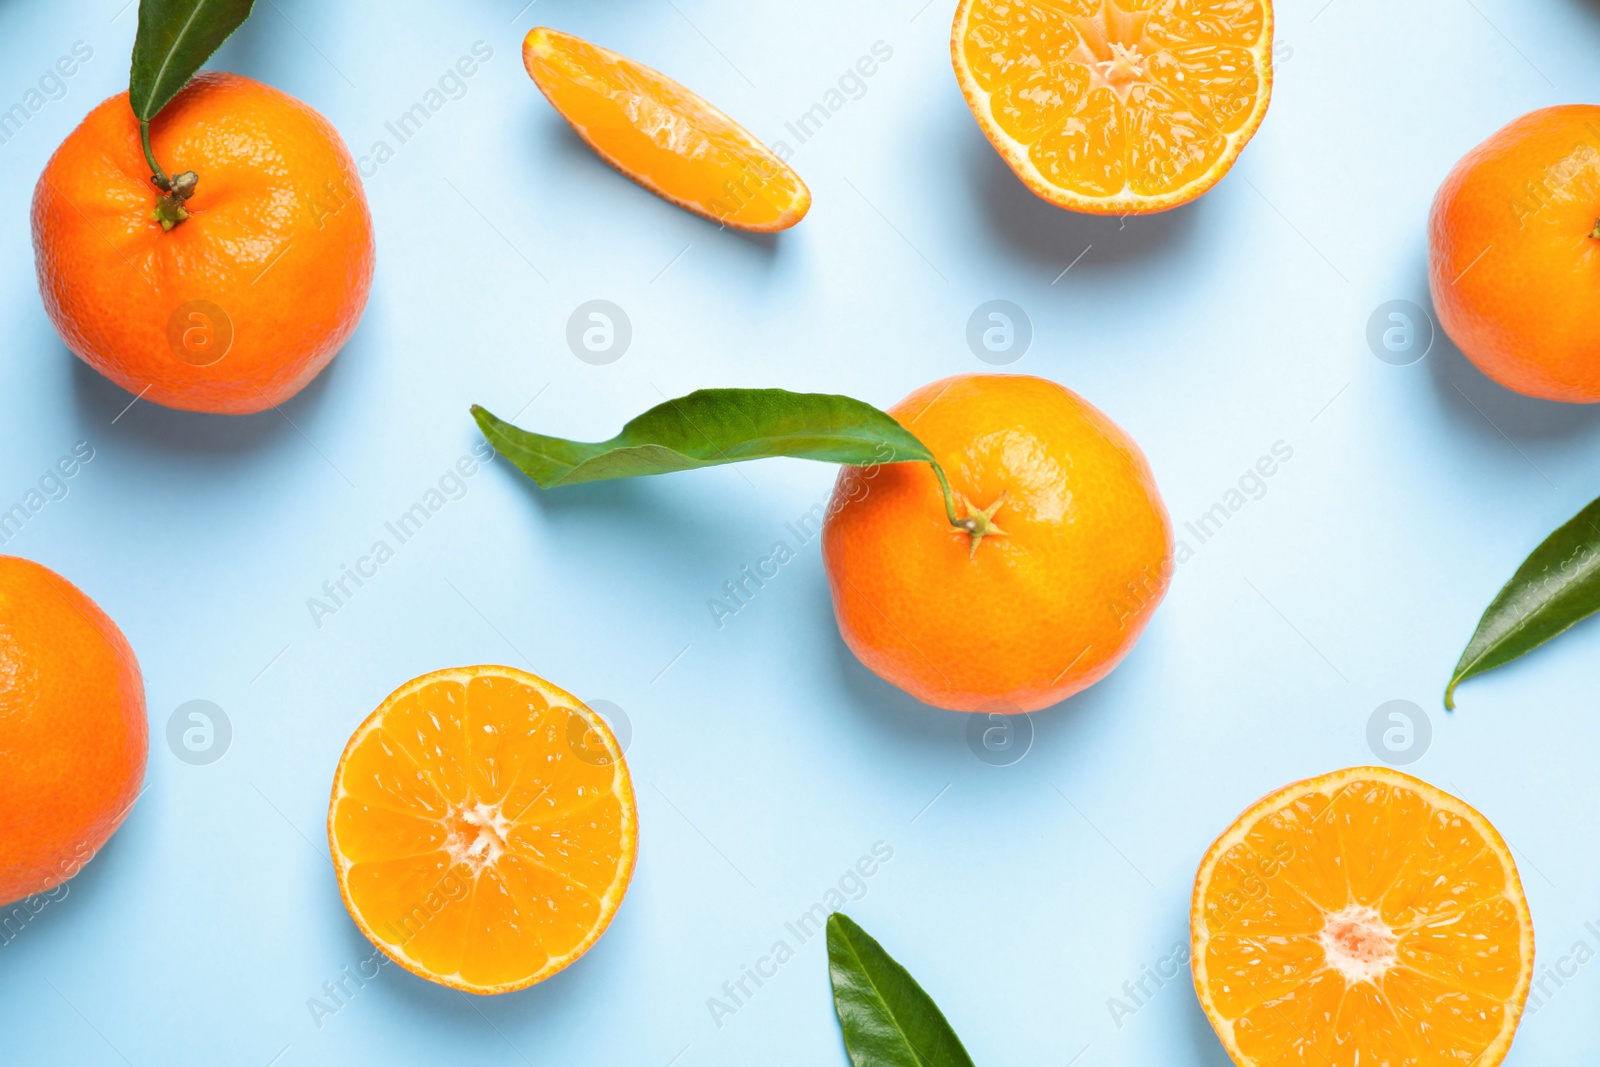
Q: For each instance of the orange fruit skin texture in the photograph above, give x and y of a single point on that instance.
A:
(483, 828)
(1116, 107)
(663, 136)
(1376, 871)
(1514, 274)
(73, 736)
(1037, 613)
(279, 238)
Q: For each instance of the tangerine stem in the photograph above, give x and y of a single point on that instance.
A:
(1595, 233)
(169, 209)
(976, 525)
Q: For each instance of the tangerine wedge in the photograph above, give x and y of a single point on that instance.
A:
(1361, 919)
(663, 136)
(1116, 107)
(483, 828)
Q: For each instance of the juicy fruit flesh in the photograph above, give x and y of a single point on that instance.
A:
(1110, 97)
(1369, 921)
(664, 136)
(476, 839)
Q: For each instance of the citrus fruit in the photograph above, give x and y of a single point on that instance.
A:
(483, 828)
(1363, 917)
(241, 303)
(663, 136)
(1514, 254)
(1116, 107)
(73, 737)
(1063, 553)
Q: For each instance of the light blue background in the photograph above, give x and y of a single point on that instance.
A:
(766, 759)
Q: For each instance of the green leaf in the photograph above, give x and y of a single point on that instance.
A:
(709, 427)
(1557, 586)
(175, 38)
(887, 1019)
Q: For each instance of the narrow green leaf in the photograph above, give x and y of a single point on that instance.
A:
(709, 427)
(175, 38)
(887, 1019)
(1557, 586)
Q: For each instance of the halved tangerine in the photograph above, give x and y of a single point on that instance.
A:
(1116, 107)
(483, 828)
(663, 136)
(1362, 919)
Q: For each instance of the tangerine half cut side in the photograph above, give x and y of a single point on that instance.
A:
(483, 828)
(1116, 107)
(1363, 917)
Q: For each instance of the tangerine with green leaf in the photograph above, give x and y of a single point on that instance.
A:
(1013, 581)
(1040, 578)
(232, 287)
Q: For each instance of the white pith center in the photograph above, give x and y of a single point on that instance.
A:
(1110, 46)
(477, 835)
(1125, 66)
(1358, 943)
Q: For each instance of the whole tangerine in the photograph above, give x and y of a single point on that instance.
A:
(73, 737)
(237, 303)
(1514, 254)
(1062, 551)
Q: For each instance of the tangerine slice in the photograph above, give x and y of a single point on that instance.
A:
(663, 136)
(1116, 107)
(483, 828)
(1362, 918)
